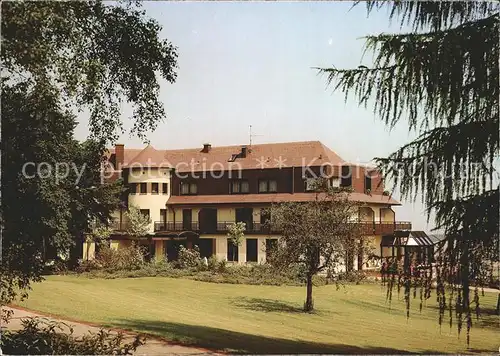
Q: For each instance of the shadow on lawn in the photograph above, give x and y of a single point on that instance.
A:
(236, 342)
(266, 305)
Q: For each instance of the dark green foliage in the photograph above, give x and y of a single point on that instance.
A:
(59, 58)
(42, 214)
(442, 78)
(98, 54)
(40, 336)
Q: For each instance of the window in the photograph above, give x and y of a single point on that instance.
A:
(145, 212)
(163, 215)
(188, 188)
(368, 183)
(144, 188)
(133, 188)
(232, 251)
(346, 177)
(164, 188)
(251, 250)
(154, 188)
(239, 187)
(335, 182)
(268, 186)
(310, 184)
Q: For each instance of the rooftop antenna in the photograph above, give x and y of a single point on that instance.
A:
(251, 136)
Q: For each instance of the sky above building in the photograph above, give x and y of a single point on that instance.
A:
(243, 64)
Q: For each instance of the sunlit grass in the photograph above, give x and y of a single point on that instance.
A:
(261, 319)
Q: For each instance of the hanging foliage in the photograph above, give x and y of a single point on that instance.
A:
(442, 78)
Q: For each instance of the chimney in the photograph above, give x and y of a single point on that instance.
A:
(244, 151)
(119, 155)
(206, 148)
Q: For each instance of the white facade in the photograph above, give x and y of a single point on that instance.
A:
(154, 202)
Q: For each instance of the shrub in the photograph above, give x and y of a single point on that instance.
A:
(128, 258)
(40, 336)
(352, 276)
(189, 258)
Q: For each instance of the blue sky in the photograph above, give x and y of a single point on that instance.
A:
(244, 64)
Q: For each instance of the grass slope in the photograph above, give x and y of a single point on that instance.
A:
(260, 319)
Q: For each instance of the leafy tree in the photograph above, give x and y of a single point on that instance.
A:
(315, 235)
(236, 234)
(59, 58)
(442, 77)
(99, 234)
(138, 224)
(42, 208)
(96, 55)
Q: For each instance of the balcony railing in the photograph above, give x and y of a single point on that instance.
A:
(382, 228)
(220, 227)
(366, 228)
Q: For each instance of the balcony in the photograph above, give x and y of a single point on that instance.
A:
(383, 228)
(221, 227)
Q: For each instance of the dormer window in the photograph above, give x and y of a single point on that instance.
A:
(239, 187)
(268, 186)
(310, 184)
(188, 188)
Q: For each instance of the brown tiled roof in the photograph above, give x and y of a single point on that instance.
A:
(149, 157)
(271, 198)
(129, 153)
(292, 154)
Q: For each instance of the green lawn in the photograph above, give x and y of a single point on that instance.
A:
(260, 319)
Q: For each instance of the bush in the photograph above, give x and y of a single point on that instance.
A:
(352, 276)
(128, 258)
(40, 336)
(189, 258)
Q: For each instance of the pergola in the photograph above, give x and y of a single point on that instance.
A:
(407, 244)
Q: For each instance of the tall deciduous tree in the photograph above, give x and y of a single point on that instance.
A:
(59, 58)
(442, 77)
(315, 235)
(51, 185)
(95, 53)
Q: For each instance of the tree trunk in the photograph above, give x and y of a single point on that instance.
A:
(309, 300)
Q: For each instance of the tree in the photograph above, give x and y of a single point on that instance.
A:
(236, 235)
(58, 59)
(100, 233)
(138, 224)
(51, 185)
(95, 54)
(442, 77)
(314, 235)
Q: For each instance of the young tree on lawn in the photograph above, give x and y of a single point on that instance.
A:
(100, 233)
(442, 77)
(236, 235)
(314, 234)
(138, 224)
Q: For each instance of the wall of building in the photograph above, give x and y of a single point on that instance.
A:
(153, 202)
